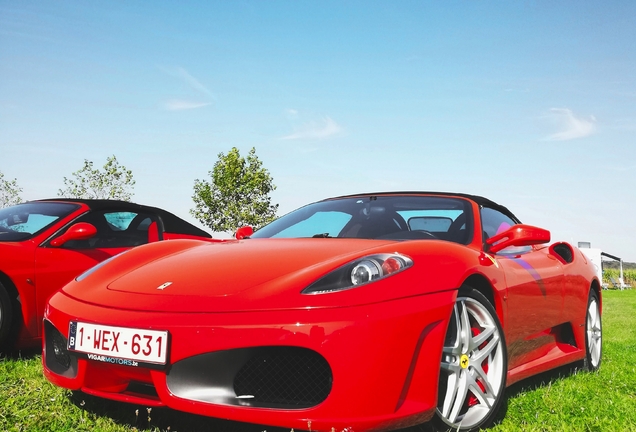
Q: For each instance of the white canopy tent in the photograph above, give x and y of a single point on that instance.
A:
(596, 256)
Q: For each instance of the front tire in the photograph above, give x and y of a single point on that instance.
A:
(6, 320)
(593, 334)
(474, 366)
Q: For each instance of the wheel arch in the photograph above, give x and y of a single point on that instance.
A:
(487, 301)
(8, 284)
(483, 285)
(596, 287)
(8, 335)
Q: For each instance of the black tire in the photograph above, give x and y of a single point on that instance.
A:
(593, 334)
(473, 369)
(6, 320)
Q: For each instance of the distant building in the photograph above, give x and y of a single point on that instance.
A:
(596, 256)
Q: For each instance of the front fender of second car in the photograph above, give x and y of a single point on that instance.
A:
(17, 274)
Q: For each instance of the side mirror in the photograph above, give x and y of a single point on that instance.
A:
(79, 231)
(244, 232)
(518, 235)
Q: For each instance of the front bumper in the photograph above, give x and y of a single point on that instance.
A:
(366, 367)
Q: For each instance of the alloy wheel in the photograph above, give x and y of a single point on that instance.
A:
(473, 367)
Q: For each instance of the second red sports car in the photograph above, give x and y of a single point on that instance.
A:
(369, 312)
(45, 244)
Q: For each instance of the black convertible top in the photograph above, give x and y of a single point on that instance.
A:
(171, 223)
(483, 202)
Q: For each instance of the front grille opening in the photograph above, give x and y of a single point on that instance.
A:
(283, 376)
(59, 350)
(265, 377)
(58, 358)
(143, 389)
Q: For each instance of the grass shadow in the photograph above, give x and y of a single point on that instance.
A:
(139, 417)
(21, 354)
(529, 384)
(541, 380)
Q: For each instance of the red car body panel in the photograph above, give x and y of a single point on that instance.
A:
(33, 270)
(331, 331)
(383, 341)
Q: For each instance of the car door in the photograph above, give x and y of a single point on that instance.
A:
(117, 231)
(535, 303)
(534, 282)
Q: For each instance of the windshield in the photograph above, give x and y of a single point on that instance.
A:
(23, 221)
(378, 217)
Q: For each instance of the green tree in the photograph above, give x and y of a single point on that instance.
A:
(9, 192)
(113, 182)
(237, 195)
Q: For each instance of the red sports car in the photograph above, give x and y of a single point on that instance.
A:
(369, 312)
(45, 244)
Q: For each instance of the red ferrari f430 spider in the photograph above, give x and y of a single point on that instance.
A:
(369, 312)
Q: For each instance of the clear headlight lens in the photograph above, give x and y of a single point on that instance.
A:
(360, 272)
(365, 272)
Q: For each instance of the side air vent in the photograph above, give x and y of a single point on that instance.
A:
(563, 252)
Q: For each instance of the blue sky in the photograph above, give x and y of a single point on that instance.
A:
(529, 103)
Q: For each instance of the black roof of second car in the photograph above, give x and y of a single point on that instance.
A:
(171, 222)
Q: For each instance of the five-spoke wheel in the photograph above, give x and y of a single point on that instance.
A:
(474, 365)
(593, 334)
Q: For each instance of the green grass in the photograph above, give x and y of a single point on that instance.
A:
(561, 400)
(28, 402)
(602, 401)
(629, 276)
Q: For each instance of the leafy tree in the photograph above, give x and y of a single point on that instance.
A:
(114, 182)
(238, 194)
(9, 192)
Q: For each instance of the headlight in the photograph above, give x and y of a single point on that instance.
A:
(364, 272)
(360, 272)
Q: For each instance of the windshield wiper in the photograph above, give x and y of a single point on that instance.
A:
(323, 235)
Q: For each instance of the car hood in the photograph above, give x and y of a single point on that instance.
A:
(255, 274)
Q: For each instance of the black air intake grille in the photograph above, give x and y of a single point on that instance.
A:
(56, 356)
(284, 376)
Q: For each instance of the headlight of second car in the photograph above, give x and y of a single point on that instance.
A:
(360, 272)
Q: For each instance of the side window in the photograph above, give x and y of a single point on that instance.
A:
(494, 222)
(119, 221)
(115, 229)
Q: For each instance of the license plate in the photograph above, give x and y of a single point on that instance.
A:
(119, 345)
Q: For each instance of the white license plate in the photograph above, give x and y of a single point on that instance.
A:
(119, 345)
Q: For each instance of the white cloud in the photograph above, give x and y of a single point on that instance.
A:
(291, 113)
(180, 105)
(571, 126)
(316, 130)
(192, 81)
(185, 76)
